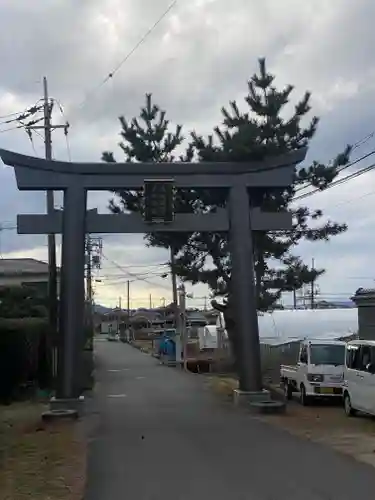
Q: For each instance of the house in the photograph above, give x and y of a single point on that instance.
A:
(25, 272)
(194, 321)
(112, 320)
(144, 320)
(195, 318)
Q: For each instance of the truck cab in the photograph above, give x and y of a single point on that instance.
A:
(319, 371)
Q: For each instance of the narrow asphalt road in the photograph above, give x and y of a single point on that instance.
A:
(160, 435)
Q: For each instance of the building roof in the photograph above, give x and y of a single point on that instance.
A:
(16, 267)
(282, 327)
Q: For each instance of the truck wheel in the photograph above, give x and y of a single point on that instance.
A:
(304, 399)
(349, 410)
(288, 390)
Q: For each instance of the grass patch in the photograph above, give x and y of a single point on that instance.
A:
(222, 385)
(144, 345)
(322, 422)
(39, 461)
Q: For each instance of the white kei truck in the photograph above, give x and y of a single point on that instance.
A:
(318, 373)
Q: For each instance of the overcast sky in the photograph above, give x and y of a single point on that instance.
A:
(195, 61)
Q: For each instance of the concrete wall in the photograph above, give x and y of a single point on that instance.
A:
(106, 326)
(365, 302)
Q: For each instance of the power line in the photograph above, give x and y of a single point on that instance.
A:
(66, 130)
(10, 114)
(133, 275)
(22, 115)
(128, 54)
(354, 162)
(355, 146)
(337, 183)
(10, 128)
(357, 198)
(117, 279)
(363, 141)
(147, 266)
(146, 273)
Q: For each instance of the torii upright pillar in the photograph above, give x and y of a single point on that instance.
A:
(72, 305)
(241, 244)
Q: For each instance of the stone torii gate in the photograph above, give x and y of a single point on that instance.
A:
(75, 179)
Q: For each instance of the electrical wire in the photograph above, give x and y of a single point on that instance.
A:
(22, 115)
(30, 136)
(351, 164)
(337, 183)
(357, 198)
(355, 146)
(10, 128)
(66, 129)
(159, 272)
(115, 277)
(68, 146)
(133, 275)
(128, 54)
(363, 141)
(10, 114)
(148, 266)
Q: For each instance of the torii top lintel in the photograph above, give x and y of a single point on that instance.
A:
(39, 174)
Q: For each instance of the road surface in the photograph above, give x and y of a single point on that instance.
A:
(161, 435)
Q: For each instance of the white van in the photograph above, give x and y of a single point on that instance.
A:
(318, 373)
(359, 377)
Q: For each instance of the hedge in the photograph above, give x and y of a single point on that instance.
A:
(23, 356)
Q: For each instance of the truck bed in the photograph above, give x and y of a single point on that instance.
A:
(288, 371)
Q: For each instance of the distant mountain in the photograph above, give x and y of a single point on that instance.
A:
(101, 309)
(345, 304)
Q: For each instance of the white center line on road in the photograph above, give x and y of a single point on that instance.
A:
(117, 395)
(117, 371)
(140, 378)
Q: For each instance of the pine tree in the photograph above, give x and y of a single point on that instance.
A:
(148, 139)
(264, 129)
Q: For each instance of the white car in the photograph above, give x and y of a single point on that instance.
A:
(318, 373)
(359, 377)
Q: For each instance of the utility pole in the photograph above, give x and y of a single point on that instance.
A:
(174, 288)
(128, 307)
(183, 324)
(313, 285)
(89, 284)
(119, 315)
(150, 301)
(52, 269)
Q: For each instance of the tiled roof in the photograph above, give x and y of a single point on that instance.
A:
(365, 291)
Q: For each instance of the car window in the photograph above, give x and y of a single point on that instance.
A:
(352, 354)
(327, 354)
(358, 357)
(364, 358)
